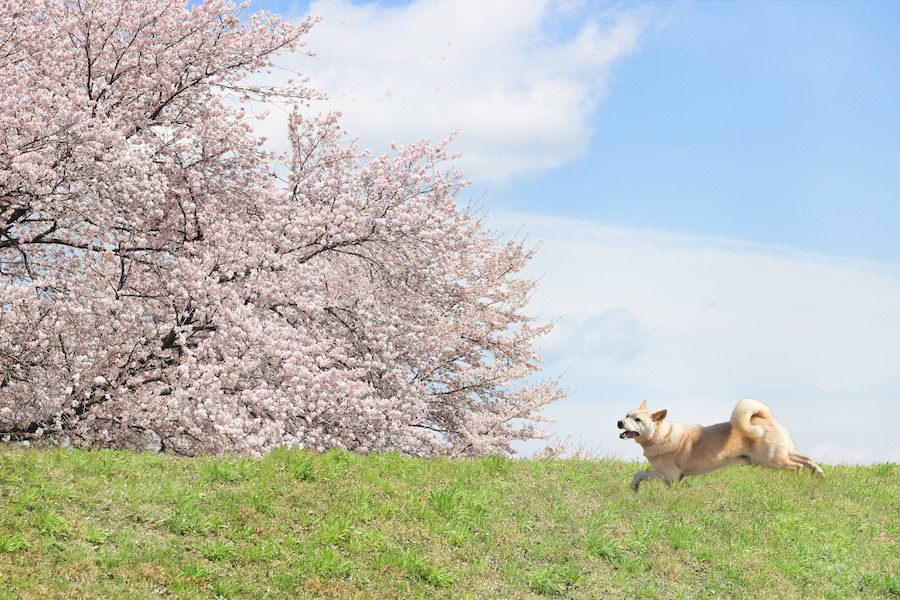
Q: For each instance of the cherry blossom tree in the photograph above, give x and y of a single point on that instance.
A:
(161, 285)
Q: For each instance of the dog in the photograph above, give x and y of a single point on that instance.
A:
(751, 437)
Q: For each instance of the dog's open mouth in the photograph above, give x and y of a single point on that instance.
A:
(627, 435)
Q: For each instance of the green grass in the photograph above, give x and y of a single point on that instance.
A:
(82, 524)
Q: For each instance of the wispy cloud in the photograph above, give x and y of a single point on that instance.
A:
(518, 80)
(693, 324)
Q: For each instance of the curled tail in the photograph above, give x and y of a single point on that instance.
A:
(744, 410)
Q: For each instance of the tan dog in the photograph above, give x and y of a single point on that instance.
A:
(752, 437)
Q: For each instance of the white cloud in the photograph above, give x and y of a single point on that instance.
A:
(520, 92)
(613, 336)
(693, 324)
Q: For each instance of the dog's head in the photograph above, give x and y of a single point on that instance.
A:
(640, 423)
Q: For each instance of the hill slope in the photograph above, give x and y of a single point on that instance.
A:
(298, 525)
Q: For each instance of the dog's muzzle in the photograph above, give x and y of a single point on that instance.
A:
(626, 435)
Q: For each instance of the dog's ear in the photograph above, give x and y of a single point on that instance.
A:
(643, 405)
(660, 415)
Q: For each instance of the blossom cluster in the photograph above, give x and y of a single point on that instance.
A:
(160, 282)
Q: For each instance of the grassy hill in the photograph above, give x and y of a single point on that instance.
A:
(76, 524)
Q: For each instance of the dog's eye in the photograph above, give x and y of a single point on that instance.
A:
(637, 420)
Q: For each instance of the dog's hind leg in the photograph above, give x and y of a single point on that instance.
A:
(799, 457)
(791, 459)
(642, 475)
(782, 460)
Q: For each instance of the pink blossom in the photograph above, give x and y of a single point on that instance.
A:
(158, 284)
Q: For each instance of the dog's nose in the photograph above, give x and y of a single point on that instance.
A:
(621, 425)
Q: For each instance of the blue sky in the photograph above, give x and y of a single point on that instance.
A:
(772, 122)
(714, 185)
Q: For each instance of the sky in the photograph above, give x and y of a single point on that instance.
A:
(714, 187)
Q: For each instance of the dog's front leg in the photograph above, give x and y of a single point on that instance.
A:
(642, 475)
